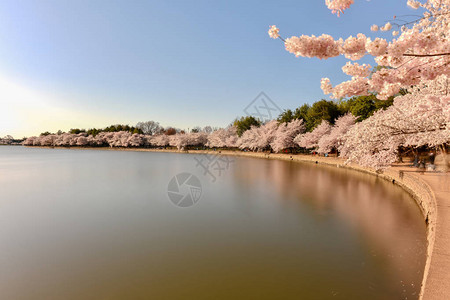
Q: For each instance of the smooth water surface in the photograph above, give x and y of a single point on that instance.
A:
(90, 224)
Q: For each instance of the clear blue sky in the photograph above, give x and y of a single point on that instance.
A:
(88, 63)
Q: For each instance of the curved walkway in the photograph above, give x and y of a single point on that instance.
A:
(438, 282)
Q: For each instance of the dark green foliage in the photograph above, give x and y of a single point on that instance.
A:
(286, 116)
(383, 104)
(244, 123)
(299, 113)
(313, 115)
(76, 131)
(302, 112)
(364, 106)
(361, 107)
(94, 131)
(112, 128)
(321, 110)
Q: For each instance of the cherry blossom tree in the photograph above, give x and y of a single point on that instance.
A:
(161, 140)
(286, 132)
(259, 138)
(47, 140)
(311, 139)
(29, 141)
(82, 141)
(224, 137)
(136, 140)
(419, 118)
(336, 138)
(248, 139)
(420, 51)
(189, 139)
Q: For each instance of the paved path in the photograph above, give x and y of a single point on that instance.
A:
(438, 282)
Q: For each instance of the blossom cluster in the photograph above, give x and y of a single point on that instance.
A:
(419, 118)
(338, 6)
(420, 51)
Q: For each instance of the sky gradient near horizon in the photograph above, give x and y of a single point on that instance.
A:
(82, 64)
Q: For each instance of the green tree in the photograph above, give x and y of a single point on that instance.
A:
(383, 104)
(244, 123)
(321, 110)
(302, 112)
(76, 131)
(286, 116)
(363, 107)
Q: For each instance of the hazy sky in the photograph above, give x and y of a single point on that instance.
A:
(86, 63)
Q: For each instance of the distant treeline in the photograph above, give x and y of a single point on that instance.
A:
(9, 140)
(361, 107)
(95, 131)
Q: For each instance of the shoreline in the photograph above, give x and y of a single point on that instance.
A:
(421, 191)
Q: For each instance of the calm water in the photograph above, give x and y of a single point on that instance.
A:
(82, 224)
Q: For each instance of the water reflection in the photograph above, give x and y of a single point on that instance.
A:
(382, 215)
(99, 225)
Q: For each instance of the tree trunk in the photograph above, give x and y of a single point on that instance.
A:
(444, 157)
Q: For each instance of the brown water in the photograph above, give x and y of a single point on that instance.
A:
(82, 224)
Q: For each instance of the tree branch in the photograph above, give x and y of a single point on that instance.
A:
(426, 55)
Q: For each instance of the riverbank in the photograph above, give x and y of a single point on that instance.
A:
(430, 190)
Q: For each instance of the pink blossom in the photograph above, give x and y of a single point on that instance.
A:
(357, 70)
(286, 132)
(386, 27)
(223, 138)
(336, 138)
(322, 47)
(259, 138)
(418, 52)
(274, 32)
(338, 6)
(419, 118)
(413, 4)
(310, 140)
(326, 86)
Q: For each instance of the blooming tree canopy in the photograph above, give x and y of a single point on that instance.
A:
(311, 139)
(223, 138)
(419, 118)
(421, 51)
(259, 138)
(336, 138)
(286, 132)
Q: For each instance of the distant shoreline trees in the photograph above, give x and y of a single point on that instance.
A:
(9, 140)
(359, 129)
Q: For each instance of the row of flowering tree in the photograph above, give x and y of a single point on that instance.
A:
(419, 118)
(417, 60)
